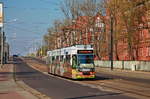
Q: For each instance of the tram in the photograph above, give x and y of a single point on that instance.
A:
(75, 62)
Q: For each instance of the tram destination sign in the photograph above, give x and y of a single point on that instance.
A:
(85, 51)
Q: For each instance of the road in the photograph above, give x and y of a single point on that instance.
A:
(57, 88)
(135, 84)
(102, 76)
(109, 76)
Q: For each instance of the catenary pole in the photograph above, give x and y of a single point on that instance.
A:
(111, 42)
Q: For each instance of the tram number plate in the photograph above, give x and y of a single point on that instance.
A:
(85, 69)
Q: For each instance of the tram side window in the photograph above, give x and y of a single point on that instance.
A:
(57, 58)
(68, 58)
(53, 58)
(61, 58)
(74, 61)
(50, 59)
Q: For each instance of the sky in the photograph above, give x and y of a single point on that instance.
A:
(26, 21)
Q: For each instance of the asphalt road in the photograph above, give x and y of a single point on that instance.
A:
(109, 76)
(57, 88)
(102, 76)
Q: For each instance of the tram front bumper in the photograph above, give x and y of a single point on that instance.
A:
(82, 75)
(85, 76)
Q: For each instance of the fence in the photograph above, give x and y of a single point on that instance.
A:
(130, 65)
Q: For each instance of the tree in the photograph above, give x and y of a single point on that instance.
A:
(129, 14)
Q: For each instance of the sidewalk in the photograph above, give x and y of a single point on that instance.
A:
(8, 88)
(124, 73)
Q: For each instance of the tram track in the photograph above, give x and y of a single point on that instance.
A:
(123, 87)
(129, 88)
(130, 91)
(136, 84)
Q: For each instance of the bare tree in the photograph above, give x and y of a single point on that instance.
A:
(73, 9)
(70, 8)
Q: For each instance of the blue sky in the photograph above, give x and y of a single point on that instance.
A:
(26, 21)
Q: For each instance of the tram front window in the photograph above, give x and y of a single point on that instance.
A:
(85, 59)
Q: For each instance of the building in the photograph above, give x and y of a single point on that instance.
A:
(139, 47)
(96, 31)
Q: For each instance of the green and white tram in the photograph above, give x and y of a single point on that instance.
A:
(76, 62)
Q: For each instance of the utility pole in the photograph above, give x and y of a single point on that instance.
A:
(1, 32)
(2, 47)
(111, 41)
(41, 52)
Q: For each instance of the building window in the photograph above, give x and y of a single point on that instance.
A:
(125, 40)
(140, 52)
(148, 51)
(141, 34)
